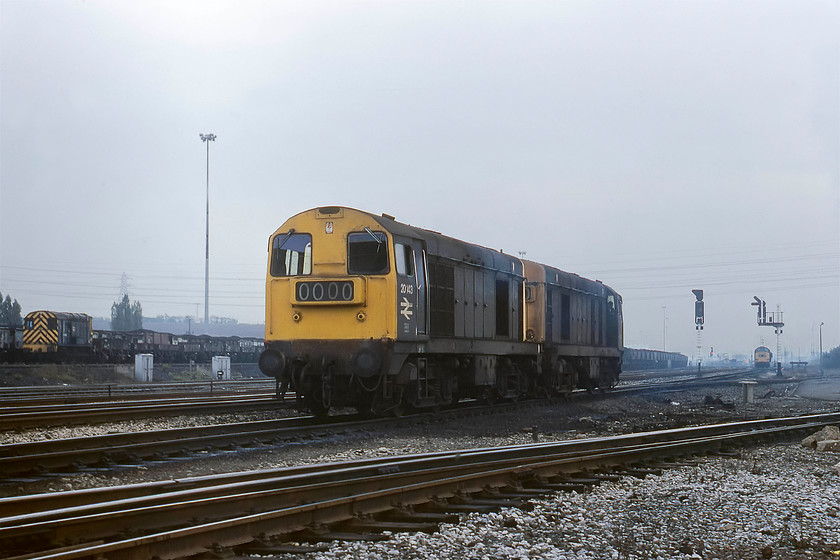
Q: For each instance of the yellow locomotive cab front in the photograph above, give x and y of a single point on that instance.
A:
(330, 309)
(325, 271)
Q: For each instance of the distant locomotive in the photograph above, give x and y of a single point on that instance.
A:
(53, 332)
(762, 357)
(635, 359)
(364, 311)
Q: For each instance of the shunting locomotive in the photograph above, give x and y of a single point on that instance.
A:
(364, 311)
(53, 331)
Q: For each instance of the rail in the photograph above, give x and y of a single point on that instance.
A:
(267, 510)
(17, 418)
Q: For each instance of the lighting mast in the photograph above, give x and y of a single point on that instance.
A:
(207, 138)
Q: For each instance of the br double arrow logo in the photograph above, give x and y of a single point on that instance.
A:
(406, 309)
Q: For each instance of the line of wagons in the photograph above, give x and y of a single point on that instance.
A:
(635, 359)
(49, 336)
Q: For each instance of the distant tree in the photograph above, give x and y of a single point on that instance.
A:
(831, 359)
(126, 316)
(10, 312)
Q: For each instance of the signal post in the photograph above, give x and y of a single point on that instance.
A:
(774, 321)
(698, 325)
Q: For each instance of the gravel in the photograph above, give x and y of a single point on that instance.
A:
(775, 501)
(140, 425)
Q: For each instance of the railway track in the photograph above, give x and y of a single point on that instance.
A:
(40, 416)
(25, 462)
(688, 381)
(39, 407)
(70, 394)
(275, 511)
(658, 379)
(44, 409)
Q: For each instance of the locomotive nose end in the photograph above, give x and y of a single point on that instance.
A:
(365, 362)
(272, 363)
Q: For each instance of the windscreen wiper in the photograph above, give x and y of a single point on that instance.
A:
(375, 238)
(285, 239)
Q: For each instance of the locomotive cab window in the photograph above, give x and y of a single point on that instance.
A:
(367, 252)
(403, 259)
(291, 254)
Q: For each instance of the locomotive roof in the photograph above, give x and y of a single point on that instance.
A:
(437, 243)
(450, 247)
(463, 251)
(572, 281)
(59, 315)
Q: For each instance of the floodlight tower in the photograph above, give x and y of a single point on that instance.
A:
(207, 138)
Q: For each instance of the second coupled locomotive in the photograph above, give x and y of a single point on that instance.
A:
(364, 311)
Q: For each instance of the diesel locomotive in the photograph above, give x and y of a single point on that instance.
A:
(762, 357)
(51, 331)
(366, 312)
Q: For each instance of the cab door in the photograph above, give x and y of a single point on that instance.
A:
(410, 265)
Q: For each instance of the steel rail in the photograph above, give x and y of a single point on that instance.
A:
(68, 415)
(693, 382)
(76, 393)
(368, 486)
(45, 405)
(100, 452)
(147, 400)
(110, 450)
(42, 502)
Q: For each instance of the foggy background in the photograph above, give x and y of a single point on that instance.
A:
(657, 146)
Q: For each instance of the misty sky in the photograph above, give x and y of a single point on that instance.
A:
(659, 146)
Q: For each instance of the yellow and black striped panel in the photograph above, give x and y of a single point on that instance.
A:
(40, 332)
